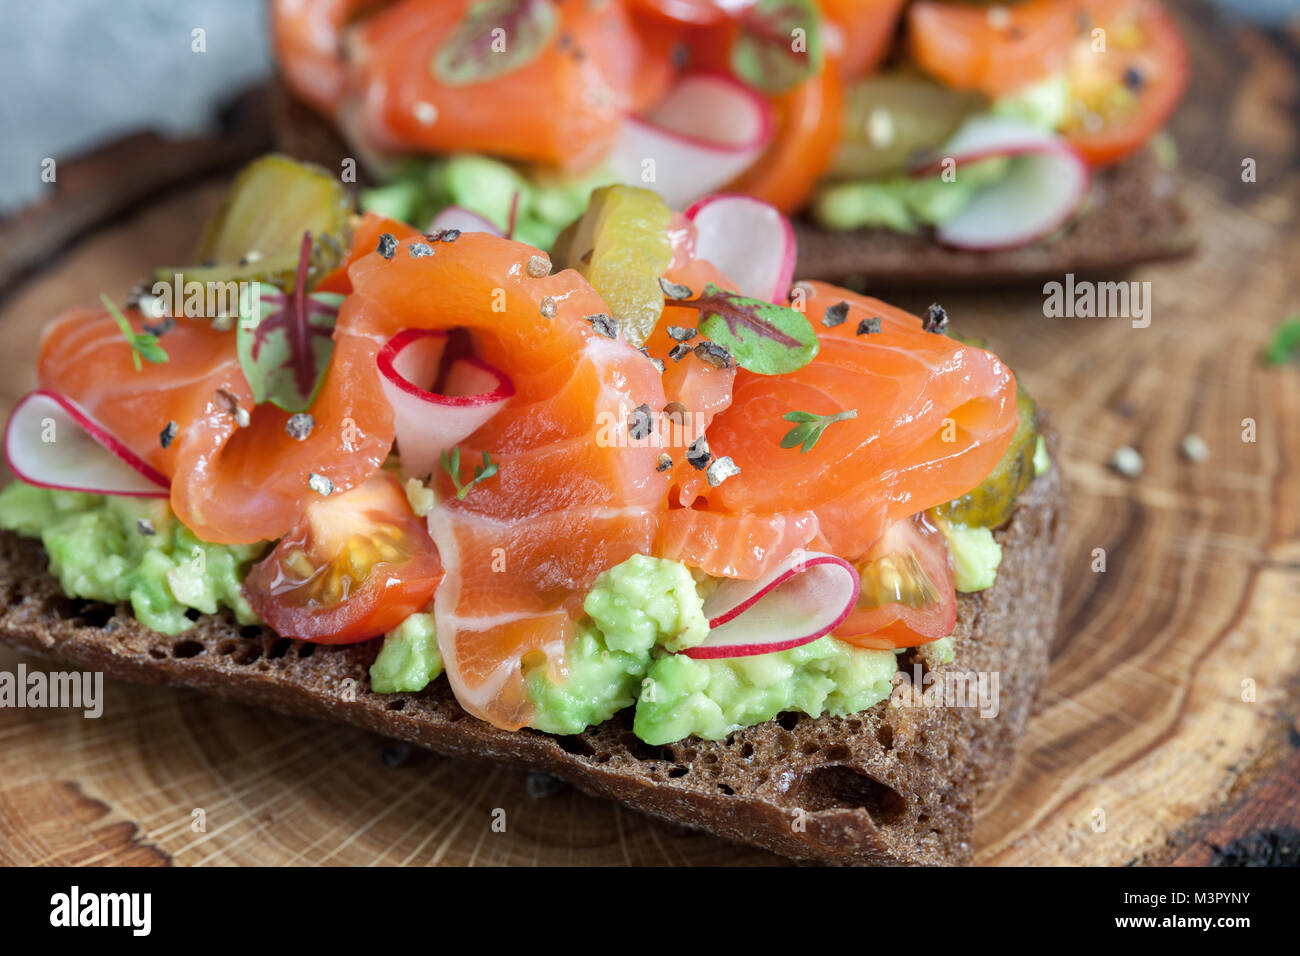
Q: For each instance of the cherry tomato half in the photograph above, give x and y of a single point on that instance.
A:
(356, 565)
(908, 594)
(1124, 93)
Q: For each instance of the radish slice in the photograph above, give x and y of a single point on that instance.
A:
(464, 220)
(53, 442)
(805, 597)
(427, 422)
(1047, 182)
(749, 240)
(704, 133)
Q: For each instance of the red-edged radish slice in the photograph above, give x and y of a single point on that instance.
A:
(1047, 182)
(805, 597)
(747, 239)
(426, 422)
(463, 220)
(53, 442)
(705, 132)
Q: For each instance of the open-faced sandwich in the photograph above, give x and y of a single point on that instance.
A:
(938, 141)
(775, 560)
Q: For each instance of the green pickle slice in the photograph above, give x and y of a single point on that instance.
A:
(621, 246)
(891, 118)
(256, 235)
(991, 503)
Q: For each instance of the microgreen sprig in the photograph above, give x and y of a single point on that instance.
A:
(810, 427)
(763, 337)
(143, 344)
(451, 465)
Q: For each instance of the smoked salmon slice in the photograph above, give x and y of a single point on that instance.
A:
(696, 391)
(933, 418)
(570, 498)
(230, 484)
(993, 50)
(733, 545)
(443, 76)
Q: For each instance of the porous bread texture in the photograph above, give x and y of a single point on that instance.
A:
(890, 785)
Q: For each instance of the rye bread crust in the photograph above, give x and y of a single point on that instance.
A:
(1133, 215)
(887, 786)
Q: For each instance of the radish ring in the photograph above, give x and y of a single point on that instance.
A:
(426, 422)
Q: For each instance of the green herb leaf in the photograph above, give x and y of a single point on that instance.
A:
(143, 344)
(762, 337)
(495, 38)
(147, 347)
(284, 343)
(285, 340)
(810, 427)
(1285, 345)
(450, 463)
(796, 436)
(779, 45)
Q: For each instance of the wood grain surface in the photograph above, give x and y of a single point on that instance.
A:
(1167, 728)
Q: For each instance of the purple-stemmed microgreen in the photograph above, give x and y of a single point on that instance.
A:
(475, 51)
(779, 44)
(763, 337)
(285, 340)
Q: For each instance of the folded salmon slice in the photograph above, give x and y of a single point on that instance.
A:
(374, 71)
(230, 484)
(571, 497)
(933, 418)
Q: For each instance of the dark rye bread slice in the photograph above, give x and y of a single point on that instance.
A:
(1133, 216)
(886, 786)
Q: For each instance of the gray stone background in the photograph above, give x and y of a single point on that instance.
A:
(74, 73)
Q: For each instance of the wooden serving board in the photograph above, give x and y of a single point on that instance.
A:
(1168, 724)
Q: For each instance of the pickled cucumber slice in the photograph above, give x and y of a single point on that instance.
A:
(621, 246)
(257, 233)
(990, 504)
(891, 118)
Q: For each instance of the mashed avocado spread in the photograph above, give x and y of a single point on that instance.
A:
(547, 201)
(114, 548)
(710, 699)
(409, 658)
(638, 614)
(633, 609)
(975, 555)
(905, 204)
